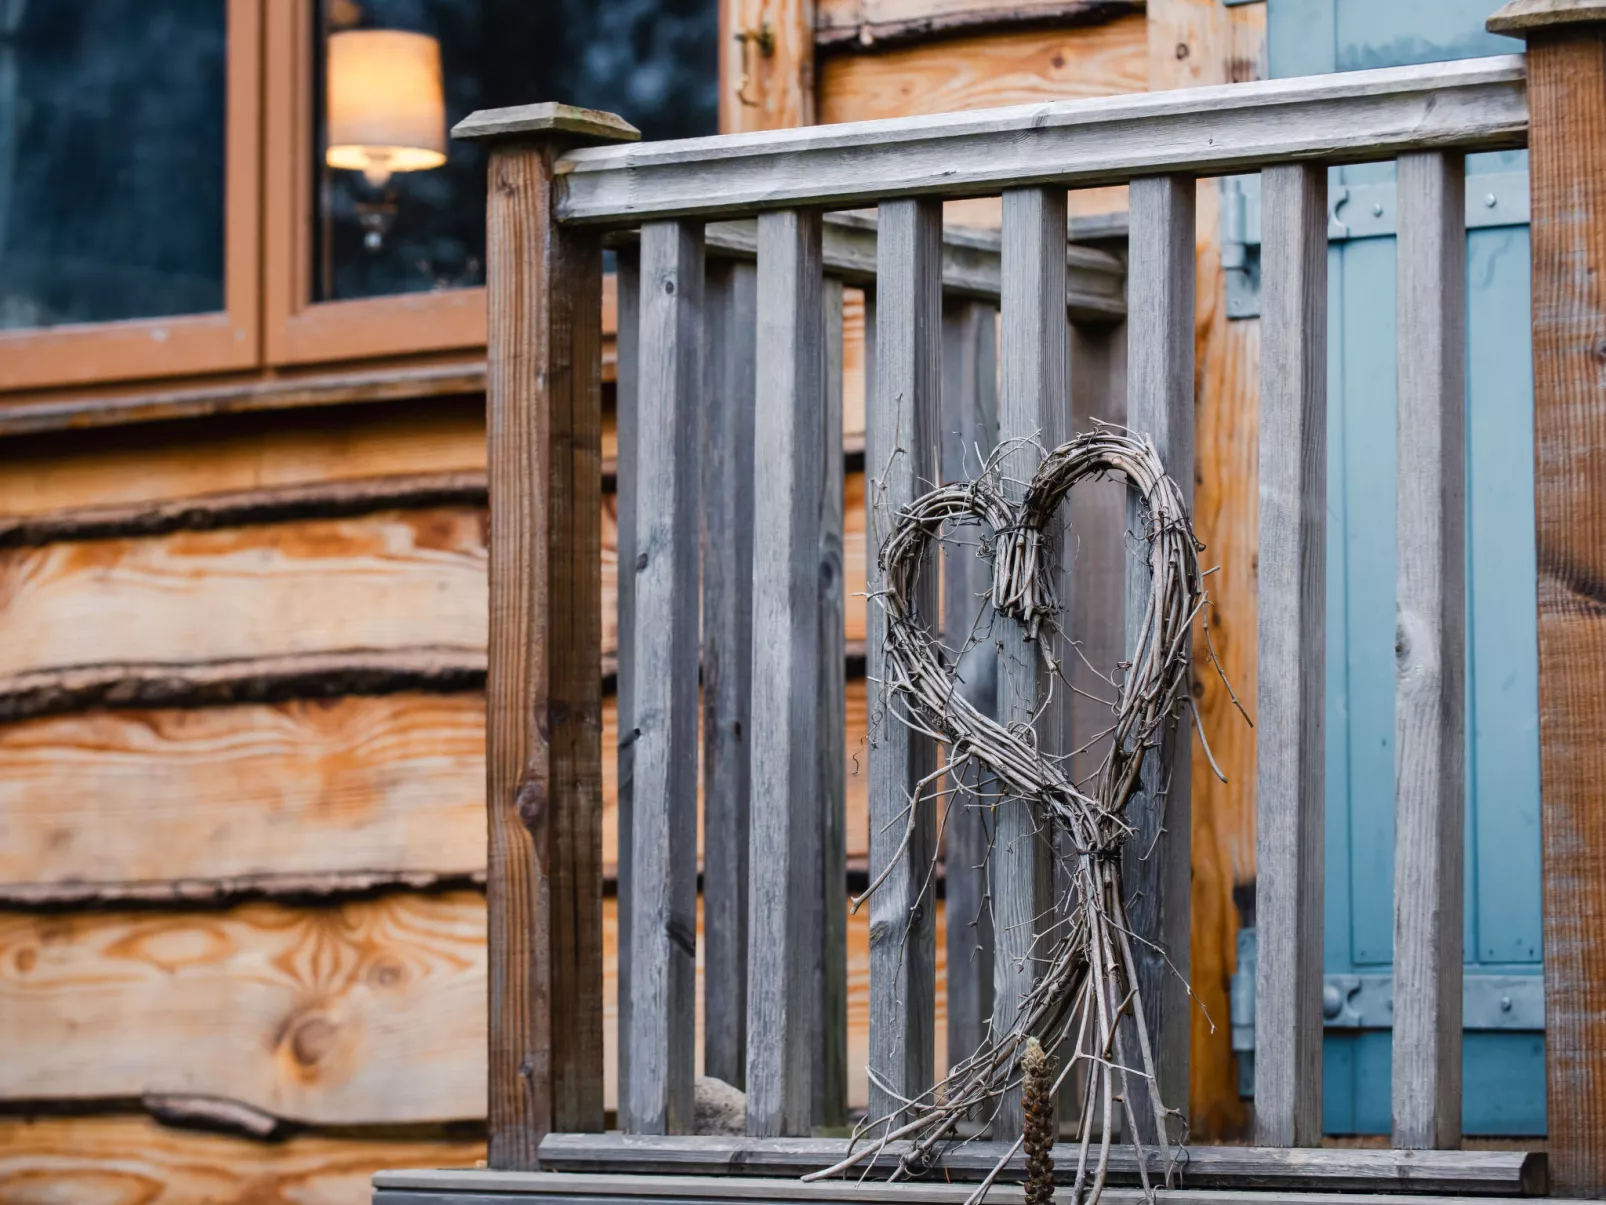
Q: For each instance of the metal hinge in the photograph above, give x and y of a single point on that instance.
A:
(1488, 1002)
(1354, 211)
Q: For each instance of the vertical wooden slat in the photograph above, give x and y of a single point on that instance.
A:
(1430, 647)
(1160, 406)
(789, 439)
(969, 433)
(1291, 746)
(831, 1084)
(1033, 406)
(543, 691)
(730, 351)
(627, 372)
(901, 463)
(663, 874)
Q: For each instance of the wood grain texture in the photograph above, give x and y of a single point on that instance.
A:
(1473, 104)
(986, 71)
(616, 751)
(1292, 651)
(830, 1106)
(1033, 408)
(1567, 92)
(870, 25)
(543, 686)
(1430, 748)
(135, 1161)
(728, 522)
(329, 1015)
(766, 65)
(1157, 858)
(783, 1018)
(390, 787)
(969, 434)
(901, 451)
(663, 867)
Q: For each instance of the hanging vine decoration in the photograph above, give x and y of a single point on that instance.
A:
(1086, 1007)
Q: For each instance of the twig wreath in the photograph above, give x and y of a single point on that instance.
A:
(1085, 1006)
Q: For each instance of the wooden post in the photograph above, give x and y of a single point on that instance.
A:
(1567, 166)
(544, 683)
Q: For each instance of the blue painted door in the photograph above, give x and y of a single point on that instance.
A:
(1504, 1067)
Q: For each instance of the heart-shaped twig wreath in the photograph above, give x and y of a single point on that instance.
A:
(1086, 1005)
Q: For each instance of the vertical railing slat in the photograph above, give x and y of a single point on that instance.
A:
(969, 433)
(627, 372)
(831, 1084)
(730, 349)
(1033, 411)
(663, 873)
(1430, 646)
(789, 439)
(1157, 866)
(901, 463)
(1292, 651)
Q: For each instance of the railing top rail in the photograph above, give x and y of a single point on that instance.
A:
(1475, 104)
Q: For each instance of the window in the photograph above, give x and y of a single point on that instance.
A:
(128, 187)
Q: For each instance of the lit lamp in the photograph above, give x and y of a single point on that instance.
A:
(386, 110)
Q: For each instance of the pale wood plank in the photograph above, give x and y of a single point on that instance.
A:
(1292, 651)
(831, 1083)
(369, 1012)
(663, 870)
(901, 458)
(1156, 865)
(969, 433)
(1430, 645)
(876, 24)
(1033, 406)
(1567, 92)
(783, 1021)
(763, 89)
(136, 1161)
(727, 542)
(1475, 104)
(628, 274)
(543, 685)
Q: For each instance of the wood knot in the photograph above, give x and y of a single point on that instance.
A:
(530, 800)
(312, 1039)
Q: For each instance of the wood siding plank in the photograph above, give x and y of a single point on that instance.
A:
(663, 870)
(727, 544)
(1292, 651)
(1430, 747)
(783, 1021)
(621, 752)
(1033, 414)
(901, 455)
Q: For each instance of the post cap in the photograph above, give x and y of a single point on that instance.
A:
(1520, 17)
(549, 118)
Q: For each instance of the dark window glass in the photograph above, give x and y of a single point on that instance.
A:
(383, 231)
(111, 159)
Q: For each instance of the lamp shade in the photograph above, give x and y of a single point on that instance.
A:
(386, 110)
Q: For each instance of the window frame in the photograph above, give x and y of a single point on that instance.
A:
(297, 329)
(181, 344)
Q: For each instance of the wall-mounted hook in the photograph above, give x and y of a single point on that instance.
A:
(764, 40)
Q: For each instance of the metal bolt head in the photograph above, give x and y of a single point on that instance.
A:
(1491, 200)
(1505, 1004)
(1377, 209)
(1332, 1001)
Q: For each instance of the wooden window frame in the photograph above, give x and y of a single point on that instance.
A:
(128, 349)
(297, 329)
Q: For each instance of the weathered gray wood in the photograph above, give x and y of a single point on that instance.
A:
(547, 118)
(727, 543)
(969, 433)
(663, 872)
(1292, 644)
(1157, 865)
(626, 386)
(1034, 407)
(1430, 645)
(1241, 1168)
(901, 463)
(831, 990)
(1471, 103)
(789, 474)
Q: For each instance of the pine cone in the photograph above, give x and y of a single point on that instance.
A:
(1037, 1102)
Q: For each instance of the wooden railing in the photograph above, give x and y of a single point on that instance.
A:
(730, 556)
